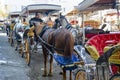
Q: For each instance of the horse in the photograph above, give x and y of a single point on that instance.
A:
(18, 34)
(78, 32)
(105, 27)
(58, 41)
(62, 21)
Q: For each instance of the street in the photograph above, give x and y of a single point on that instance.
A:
(14, 67)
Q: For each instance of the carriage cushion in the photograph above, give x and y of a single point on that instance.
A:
(89, 35)
(93, 51)
(102, 40)
(66, 62)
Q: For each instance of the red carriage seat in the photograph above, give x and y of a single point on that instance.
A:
(97, 44)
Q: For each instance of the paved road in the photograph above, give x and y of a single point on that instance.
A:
(13, 67)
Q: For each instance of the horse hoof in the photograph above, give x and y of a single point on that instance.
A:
(50, 75)
(44, 75)
(60, 73)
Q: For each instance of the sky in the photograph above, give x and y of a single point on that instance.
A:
(17, 5)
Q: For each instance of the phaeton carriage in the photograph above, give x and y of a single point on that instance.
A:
(84, 66)
(47, 10)
(12, 17)
(96, 63)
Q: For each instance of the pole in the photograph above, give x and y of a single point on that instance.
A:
(118, 17)
(117, 5)
(83, 42)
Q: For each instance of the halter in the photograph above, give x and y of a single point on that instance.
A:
(68, 26)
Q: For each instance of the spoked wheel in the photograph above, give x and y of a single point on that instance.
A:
(21, 49)
(80, 75)
(27, 52)
(11, 39)
(115, 77)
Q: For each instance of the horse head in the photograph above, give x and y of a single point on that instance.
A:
(63, 21)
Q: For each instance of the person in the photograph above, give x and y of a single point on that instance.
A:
(7, 24)
(12, 25)
(56, 24)
(49, 22)
(31, 32)
(25, 23)
(37, 18)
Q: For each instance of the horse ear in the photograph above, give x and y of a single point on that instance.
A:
(60, 14)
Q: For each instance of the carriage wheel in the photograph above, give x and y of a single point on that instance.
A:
(115, 77)
(27, 52)
(11, 40)
(9, 37)
(80, 75)
(21, 49)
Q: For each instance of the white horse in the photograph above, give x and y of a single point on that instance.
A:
(18, 34)
(105, 27)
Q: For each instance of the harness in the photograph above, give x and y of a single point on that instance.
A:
(47, 45)
(43, 30)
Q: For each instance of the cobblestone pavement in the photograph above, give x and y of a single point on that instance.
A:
(14, 67)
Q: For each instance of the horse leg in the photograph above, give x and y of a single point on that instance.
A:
(51, 66)
(45, 61)
(70, 74)
(64, 75)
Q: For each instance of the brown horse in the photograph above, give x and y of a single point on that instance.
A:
(62, 43)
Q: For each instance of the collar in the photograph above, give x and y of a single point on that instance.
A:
(68, 26)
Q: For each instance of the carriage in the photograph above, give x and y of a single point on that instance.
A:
(92, 55)
(101, 67)
(48, 10)
(12, 16)
(85, 67)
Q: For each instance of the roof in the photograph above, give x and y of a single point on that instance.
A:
(94, 5)
(73, 12)
(45, 8)
(14, 13)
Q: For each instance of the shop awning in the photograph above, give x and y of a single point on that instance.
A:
(73, 12)
(93, 5)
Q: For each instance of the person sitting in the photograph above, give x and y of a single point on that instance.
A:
(25, 23)
(49, 22)
(31, 32)
(37, 18)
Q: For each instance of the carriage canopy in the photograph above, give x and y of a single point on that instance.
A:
(44, 8)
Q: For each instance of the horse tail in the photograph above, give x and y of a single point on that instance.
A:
(69, 45)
